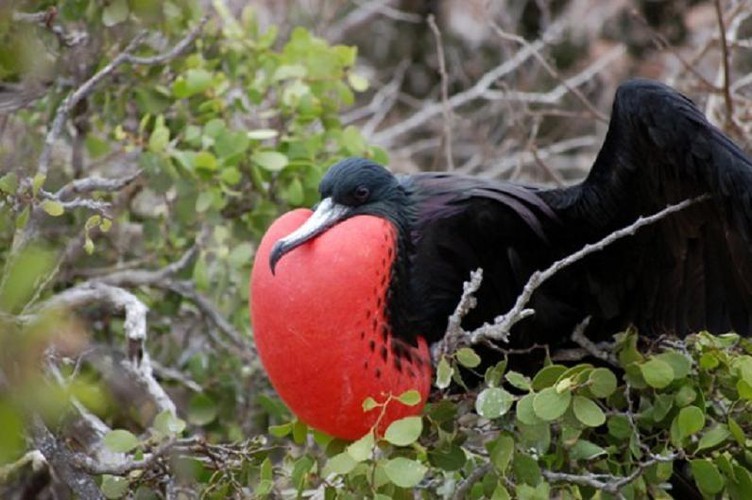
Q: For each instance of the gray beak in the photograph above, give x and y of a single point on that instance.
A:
(326, 215)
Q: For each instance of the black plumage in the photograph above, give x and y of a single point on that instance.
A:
(688, 272)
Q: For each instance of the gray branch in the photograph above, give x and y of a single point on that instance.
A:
(500, 328)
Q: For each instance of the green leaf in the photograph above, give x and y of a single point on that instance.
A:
(586, 450)
(404, 472)
(53, 208)
(410, 397)
(602, 382)
(362, 449)
(37, 183)
(548, 376)
(737, 432)
(744, 389)
(707, 477)
(657, 373)
(205, 161)
(120, 441)
(467, 357)
(619, 427)
(115, 13)
(526, 469)
(196, 81)
(159, 139)
(168, 424)
(281, 430)
(114, 487)
(444, 373)
(525, 412)
(685, 395)
(405, 431)
(588, 412)
(679, 363)
(493, 402)
(339, 464)
(713, 437)
(550, 404)
(357, 82)
(201, 410)
(449, 457)
(9, 183)
(272, 161)
(501, 452)
(519, 381)
(369, 404)
(690, 420)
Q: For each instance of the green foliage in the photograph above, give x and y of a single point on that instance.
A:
(595, 423)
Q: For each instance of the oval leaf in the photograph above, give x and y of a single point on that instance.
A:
(120, 441)
(339, 464)
(657, 373)
(713, 437)
(602, 382)
(690, 420)
(550, 404)
(467, 357)
(404, 472)
(409, 398)
(493, 402)
(272, 161)
(404, 431)
(707, 477)
(362, 449)
(53, 208)
(588, 412)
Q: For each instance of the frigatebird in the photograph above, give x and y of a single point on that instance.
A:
(346, 299)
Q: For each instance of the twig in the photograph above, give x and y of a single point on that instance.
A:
(464, 488)
(60, 458)
(454, 332)
(725, 61)
(607, 482)
(568, 85)
(555, 74)
(92, 466)
(502, 325)
(431, 109)
(92, 184)
(446, 108)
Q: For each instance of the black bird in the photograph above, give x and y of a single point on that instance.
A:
(688, 272)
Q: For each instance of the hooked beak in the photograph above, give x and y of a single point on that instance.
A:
(326, 215)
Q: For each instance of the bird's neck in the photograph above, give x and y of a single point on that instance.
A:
(400, 299)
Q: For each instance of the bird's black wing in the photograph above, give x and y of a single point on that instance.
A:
(464, 223)
(688, 272)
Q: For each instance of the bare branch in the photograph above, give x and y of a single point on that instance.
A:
(552, 71)
(60, 458)
(502, 325)
(446, 108)
(92, 184)
(91, 466)
(607, 482)
(431, 109)
(464, 487)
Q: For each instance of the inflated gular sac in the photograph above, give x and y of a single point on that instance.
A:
(321, 331)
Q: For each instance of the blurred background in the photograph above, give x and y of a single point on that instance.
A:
(145, 147)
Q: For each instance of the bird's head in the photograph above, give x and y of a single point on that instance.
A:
(354, 186)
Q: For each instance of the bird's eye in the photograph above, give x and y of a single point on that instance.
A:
(361, 193)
